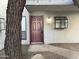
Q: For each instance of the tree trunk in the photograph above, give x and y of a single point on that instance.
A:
(13, 29)
(76, 3)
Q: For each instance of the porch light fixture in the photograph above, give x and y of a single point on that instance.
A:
(2, 24)
(49, 21)
(61, 22)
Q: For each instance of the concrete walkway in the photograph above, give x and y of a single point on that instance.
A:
(63, 51)
(53, 52)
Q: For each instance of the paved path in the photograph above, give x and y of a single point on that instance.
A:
(48, 52)
(53, 50)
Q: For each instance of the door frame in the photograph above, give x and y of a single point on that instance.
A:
(30, 26)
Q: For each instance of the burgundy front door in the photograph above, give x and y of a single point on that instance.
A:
(36, 29)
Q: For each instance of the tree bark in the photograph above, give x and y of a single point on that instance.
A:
(13, 29)
(76, 3)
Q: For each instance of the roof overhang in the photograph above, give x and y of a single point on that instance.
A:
(52, 8)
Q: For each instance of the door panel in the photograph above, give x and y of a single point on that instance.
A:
(36, 28)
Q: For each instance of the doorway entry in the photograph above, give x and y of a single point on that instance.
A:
(36, 30)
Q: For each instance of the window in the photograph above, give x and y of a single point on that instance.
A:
(23, 24)
(2, 24)
(61, 22)
(23, 35)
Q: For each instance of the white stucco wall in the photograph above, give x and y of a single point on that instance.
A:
(69, 35)
(26, 13)
(3, 6)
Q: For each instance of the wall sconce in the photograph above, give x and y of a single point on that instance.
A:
(49, 20)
